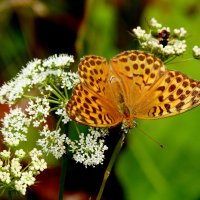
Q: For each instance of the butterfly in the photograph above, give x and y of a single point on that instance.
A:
(133, 85)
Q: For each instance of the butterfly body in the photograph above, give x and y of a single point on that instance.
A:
(133, 85)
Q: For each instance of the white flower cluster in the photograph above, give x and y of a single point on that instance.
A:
(48, 82)
(52, 142)
(36, 73)
(196, 52)
(69, 80)
(89, 149)
(61, 111)
(58, 60)
(38, 110)
(14, 173)
(14, 127)
(161, 41)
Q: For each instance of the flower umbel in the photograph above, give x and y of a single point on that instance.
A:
(15, 126)
(161, 41)
(45, 83)
(89, 149)
(17, 176)
(52, 142)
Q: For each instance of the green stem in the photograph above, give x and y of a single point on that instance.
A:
(110, 164)
(62, 177)
(57, 92)
(10, 195)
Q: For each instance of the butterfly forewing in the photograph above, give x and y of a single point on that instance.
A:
(93, 72)
(92, 101)
(174, 93)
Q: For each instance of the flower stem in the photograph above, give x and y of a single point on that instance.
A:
(62, 177)
(110, 164)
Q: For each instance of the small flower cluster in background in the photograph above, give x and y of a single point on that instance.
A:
(163, 42)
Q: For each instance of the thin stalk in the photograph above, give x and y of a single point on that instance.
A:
(62, 177)
(10, 195)
(66, 93)
(110, 164)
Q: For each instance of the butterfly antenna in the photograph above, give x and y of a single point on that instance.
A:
(151, 138)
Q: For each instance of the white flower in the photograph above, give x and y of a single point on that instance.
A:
(52, 142)
(35, 73)
(5, 177)
(15, 126)
(62, 112)
(155, 24)
(140, 33)
(179, 47)
(69, 80)
(20, 153)
(38, 163)
(38, 110)
(196, 52)
(180, 33)
(5, 154)
(26, 179)
(152, 43)
(89, 149)
(168, 50)
(15, 167)
(58, 60)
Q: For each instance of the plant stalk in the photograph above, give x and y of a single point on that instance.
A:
(110, 164)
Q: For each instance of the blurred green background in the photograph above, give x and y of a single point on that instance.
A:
(33, 28)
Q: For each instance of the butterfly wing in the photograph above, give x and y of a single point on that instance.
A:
(172, 94)
(136, 72)
(92, 101)
(150, 91)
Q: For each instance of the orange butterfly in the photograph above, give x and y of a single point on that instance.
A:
(133, 85)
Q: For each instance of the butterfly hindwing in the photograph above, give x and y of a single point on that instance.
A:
(173, 93)
(87, 107)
